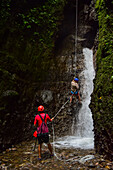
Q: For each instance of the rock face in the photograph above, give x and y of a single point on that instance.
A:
(55, 90)
(102, 99)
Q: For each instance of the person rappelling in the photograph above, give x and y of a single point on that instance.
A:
(74, 89)
(42, 132)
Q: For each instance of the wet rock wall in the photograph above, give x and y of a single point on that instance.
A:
(55, 90)
(66, 65)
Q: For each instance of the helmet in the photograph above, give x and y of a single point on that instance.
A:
(41, 108)
(76, 79)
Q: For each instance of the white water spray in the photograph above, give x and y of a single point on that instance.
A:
(83, 134)
(84, 125)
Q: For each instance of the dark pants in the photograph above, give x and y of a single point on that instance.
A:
(43, 138)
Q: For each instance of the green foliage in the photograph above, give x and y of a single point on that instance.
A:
(5, 10)
(100, 4)
(44, 22)
(28, 32)
(103, 111)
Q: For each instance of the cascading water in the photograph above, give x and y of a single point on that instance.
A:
(83, 134)
(84, 123)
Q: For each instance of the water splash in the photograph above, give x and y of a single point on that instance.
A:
(74, 142)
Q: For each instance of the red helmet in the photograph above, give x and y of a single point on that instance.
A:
(41, 108)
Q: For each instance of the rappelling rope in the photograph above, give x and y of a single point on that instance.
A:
(54, 131)
(61, 108)
(76, 28)
(54, 144)
(65, 161)
(54, 135)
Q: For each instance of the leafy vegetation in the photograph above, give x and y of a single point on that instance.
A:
(28, 38)
(28, 31)
(102, 101)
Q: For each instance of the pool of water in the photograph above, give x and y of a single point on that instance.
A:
(74, 142)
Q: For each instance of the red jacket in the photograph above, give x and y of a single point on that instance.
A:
(38, 120)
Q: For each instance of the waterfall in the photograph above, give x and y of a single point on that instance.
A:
(83, 135)
(84, 124)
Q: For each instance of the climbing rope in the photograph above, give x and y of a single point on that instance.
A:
(55, 151)
(54, 135)
(61, 108)
(53, 143)
(76, 28)
(54, 131)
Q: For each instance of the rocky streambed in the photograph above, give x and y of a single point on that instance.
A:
(23, 157)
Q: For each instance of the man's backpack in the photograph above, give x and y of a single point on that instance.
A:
(42, 129)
